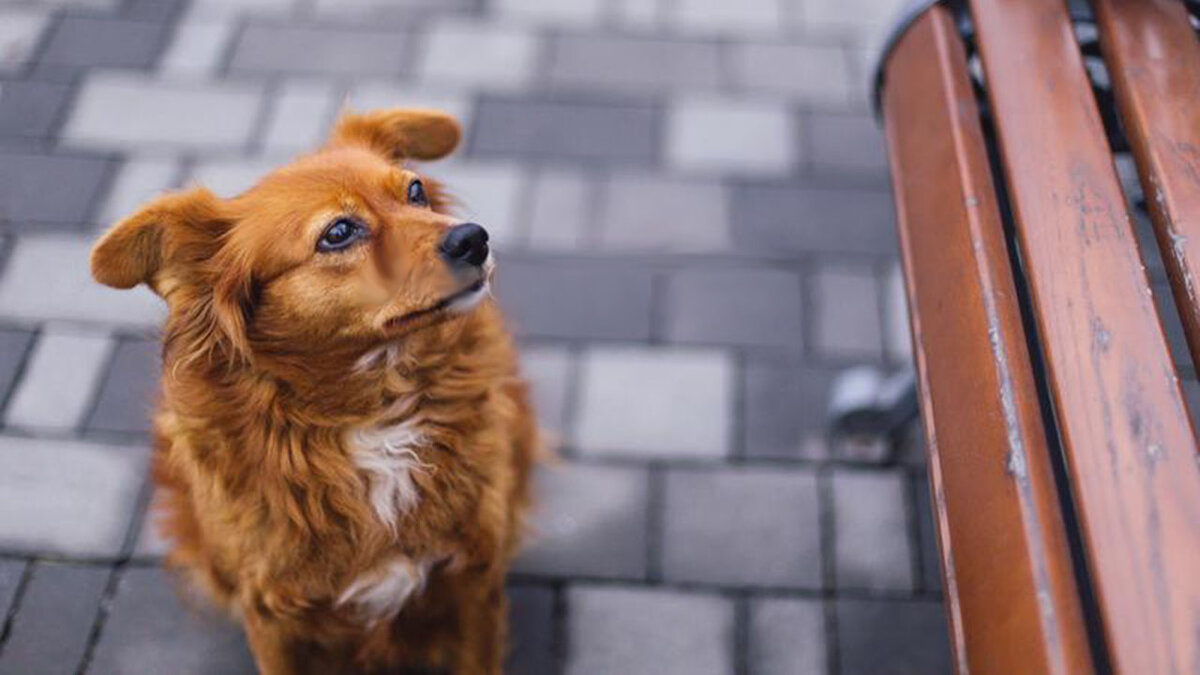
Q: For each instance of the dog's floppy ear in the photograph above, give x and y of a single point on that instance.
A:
(180, 224)
(399, 133)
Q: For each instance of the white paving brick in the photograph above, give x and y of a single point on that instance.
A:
(60, 379)
(139, 179)
(638, 13)
(548, 370)
(722, 135)
(233, 7)
(302, 114)
(722, 16)
(121, 111)
(197, 47)
(558, 211)
(47, 277)
(67, 497)
(20, 30)
(377, 95)
(488, 194)
(898, 337)
(230, 176)
(562, 12)
(659, 402)
(811, 73)
(480, 55)
(861, 18)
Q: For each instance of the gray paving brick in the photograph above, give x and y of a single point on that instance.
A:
(322, 50)
(225, 8)
(121, 111)
(575, 300)
(138, 180)
(625, 630)
(576, 129)
(100, 41)
(14, 347)
(717, 17)
(655, 402)
(731, 135)
(757, 307)
(125, 400)
(478, 54)
(785, 408)
(150, 543)
(21, 29)
(30, 109)
(388, 94)
(767, 531)
(551, 12)
(67, 497)
(77, 181)
(812, 73)
(623, 63)
(588, 521)
(531, 642)
(391, 10)
(845, 143)
(650, 212)
(787, 637)
(786, 220)
(871, 543)
(197, 47)
(897, 336)
(63, 370)
(892, 637)
(27, 292)
(931, 570)
(488, 193)
(230, 176)
(638, 14)
(559, 211)
(11, 572)
(855, 17)
(302, 114)
(846, 312)
(548, 370)
(150, 629)
(51, 631)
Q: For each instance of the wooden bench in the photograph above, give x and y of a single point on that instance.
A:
(1063, 460)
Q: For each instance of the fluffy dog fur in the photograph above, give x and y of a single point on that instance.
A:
(342, 456)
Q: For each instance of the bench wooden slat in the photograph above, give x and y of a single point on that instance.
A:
(1011, 593)
(1154, 62)
(1130, 447)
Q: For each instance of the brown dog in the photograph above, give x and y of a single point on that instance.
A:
(343, 444)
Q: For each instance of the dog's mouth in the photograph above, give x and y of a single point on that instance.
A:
(459, 302)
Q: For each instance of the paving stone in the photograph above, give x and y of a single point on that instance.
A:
(24, 198)
(21, 30)
(871, 543)
(730, 135)
(766, 531)
(845, 143)
(11, 572)
(377, 95)
(591, 61)
(658, 402)
(787, 637)
(640, 14)
(197, 47)
(150, 629)
(757, 307)
(717, 16)
(785, 408)
(125, 401)
(588, 521)
(50, 633)
(27, 292)
(786, 220)
(67, 497)
(150, 543)
(322, 50)
(897, 337)
(31, 109)
(892, 637)
(63, 371)
(302, 114)
(548, 370)
(856, 17)
(560, 210)
(100, 41)
(394, 10)
(626, 630)
(224, 8)
(488, 194)
(481, 55)
(813, 73)
(555, 12)
(647, 212)
(137, 181)
(575, 300)
(230, 176)
(14, 346)
(531, 631)
(579, 129)
(931, 570)
(122, 111)
(847, 313)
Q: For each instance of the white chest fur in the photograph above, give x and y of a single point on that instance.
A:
(379, 595)
(388, 457)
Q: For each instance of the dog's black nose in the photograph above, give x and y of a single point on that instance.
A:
(466, 244)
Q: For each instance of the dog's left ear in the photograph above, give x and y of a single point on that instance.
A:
(399, 133)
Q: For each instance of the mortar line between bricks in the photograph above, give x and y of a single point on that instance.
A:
(558, 628)
(18, 375)
(93, 401)
(15, 606)
(828, 567)
(43, 45)
(741, 634)
(912, 484)
(656, 489)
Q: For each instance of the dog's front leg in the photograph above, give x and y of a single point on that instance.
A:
(484, 624)
(275, 651)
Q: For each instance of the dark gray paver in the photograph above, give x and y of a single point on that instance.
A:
(576, 300)
(14, 346)
(150, 629)
(931, 571)
(11, 572)
(845, 143)
(126, 398)
(872, 548)
(757, 307)
(24, 179)
(632, 63)
(780, 219)
(787, 637)
(892, 637)
(530, 630)
(30, 109)
(580, 129)
(755, 527)
(326, 50)
(847, 316)
(786, 404)
(50, 633)
(98, 41)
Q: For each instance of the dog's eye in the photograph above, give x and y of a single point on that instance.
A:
(340, 234)
(416, 194)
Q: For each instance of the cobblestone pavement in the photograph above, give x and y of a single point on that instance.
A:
(690, 203)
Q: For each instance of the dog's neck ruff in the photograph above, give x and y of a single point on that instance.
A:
(387, 454)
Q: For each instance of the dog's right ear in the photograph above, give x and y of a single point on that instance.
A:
(176, 226)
